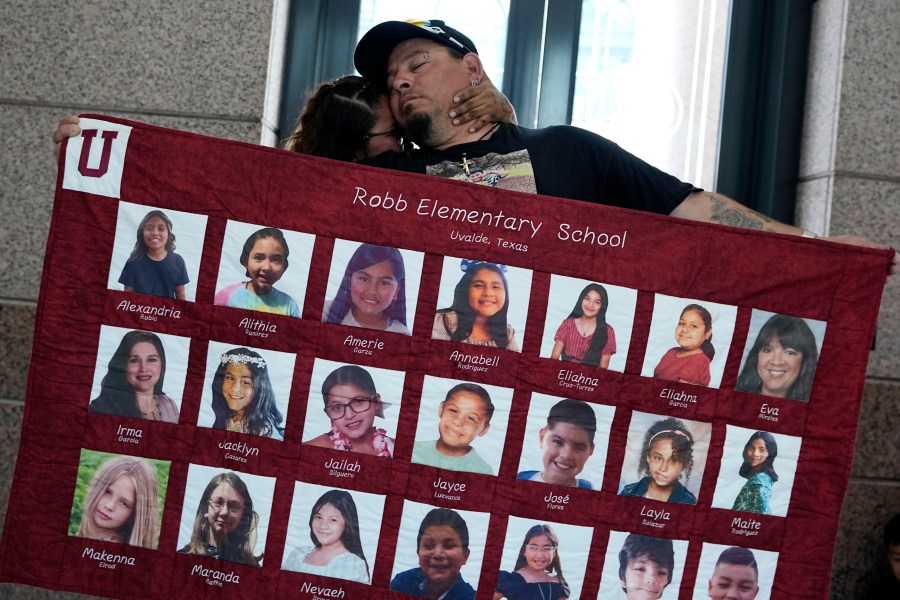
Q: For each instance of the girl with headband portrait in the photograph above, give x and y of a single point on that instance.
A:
(478, 313)
(584, 336)
(225, 525)
(352, 403)
(337, 549)
(121, 503)
(153, 267)
(666, 455)
(265, 258)
(133, 384)
(758, 469)
(242, 396)
(372, 293)
(689, 361)
(782, 361)
(538, 570)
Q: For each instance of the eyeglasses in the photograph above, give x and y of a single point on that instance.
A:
(392, 132)
(234, 507)
(357, 405)
(541, 549)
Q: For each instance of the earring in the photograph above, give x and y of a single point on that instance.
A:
(474, 82)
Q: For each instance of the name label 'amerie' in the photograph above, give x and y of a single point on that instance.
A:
(361, 346)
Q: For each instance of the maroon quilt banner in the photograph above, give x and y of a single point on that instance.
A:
(262, 374)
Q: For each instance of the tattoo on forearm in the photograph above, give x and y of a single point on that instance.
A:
(740, 216)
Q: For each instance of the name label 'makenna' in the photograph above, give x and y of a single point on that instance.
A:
(107, 560)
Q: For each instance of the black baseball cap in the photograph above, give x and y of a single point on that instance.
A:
(375, 47)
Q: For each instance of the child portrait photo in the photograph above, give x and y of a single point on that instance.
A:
(264, 269)
(543, 560)
(353, 408)
(119, 498)
(373, 287)
(757, 471)
(689, 340)
(333, 532)
(641, 567)
(665, 458)
(566, 442)
(482, 303)
(588, 323)
(225, 515)
(439, 551)
(246, 390)
(157, 252)
(462, 425)
(735, 573)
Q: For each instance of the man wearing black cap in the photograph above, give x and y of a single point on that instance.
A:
(422, 63)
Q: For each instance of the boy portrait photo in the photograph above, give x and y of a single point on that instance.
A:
(641, 567)
(566, 442)
(462, 425)
(735, 573)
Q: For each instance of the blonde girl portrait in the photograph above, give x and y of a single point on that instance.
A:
(122, 502)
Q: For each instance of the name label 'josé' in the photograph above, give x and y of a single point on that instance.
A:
(556, 502)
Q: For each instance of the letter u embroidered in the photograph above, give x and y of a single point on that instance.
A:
(89, 135)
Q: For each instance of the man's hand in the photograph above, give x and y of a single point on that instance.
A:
(68, 127)
(482, 104)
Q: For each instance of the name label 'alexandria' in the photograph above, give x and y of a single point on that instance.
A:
(149, 313)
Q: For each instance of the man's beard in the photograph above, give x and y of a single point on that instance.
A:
(418, 128)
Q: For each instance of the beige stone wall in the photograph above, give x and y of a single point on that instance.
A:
(198, 66)
(202, 67)
(850, 183)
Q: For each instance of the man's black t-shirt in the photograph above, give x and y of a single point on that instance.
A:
(561, 161)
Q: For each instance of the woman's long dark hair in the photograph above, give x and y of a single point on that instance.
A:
(116, 394)
(342, 501)
(365, 256)
(598, 340)
(465, 313)
(789, 332)
(768, 467)
(262, 416)
(336, 119)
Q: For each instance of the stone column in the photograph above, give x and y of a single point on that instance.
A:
(850, 183)
(195, 66)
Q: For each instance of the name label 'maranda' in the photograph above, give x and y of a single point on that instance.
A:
(149, 313)
(342, 468)
(361, 346)
(215, 578)
(556, 502)
(257, 327)
(129, 435)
